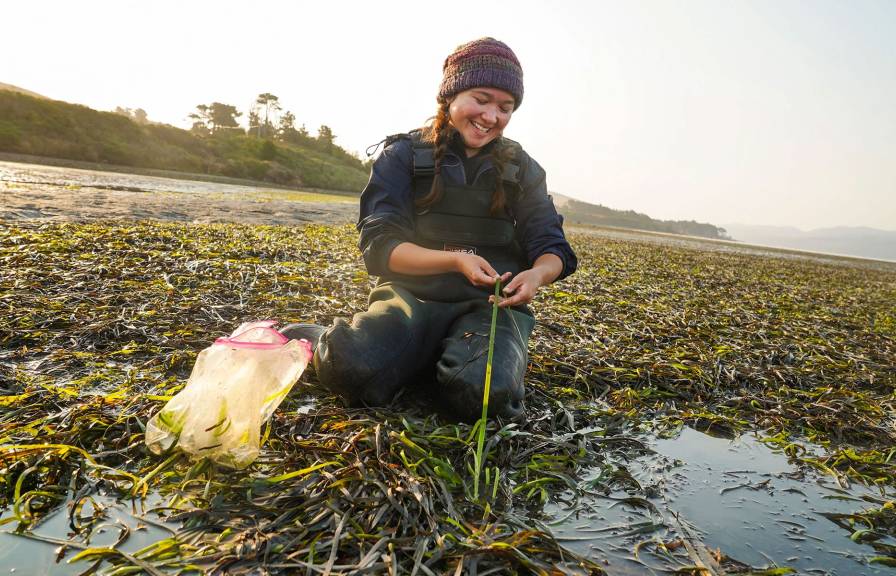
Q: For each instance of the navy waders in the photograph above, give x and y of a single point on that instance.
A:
(396, 342)
(424, 330)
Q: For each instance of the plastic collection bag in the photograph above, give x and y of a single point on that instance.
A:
(235, 386)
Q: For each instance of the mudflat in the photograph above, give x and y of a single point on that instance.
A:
(32, 192)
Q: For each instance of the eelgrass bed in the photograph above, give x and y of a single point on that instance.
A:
(101, 324)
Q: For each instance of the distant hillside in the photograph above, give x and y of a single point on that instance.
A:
(578, 212)
(848, 241)
(51, 128)
(12, 88)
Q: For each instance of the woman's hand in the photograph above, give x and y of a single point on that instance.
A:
(522, 289)
(414, 260)
(477, 269)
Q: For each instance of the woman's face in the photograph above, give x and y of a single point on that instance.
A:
(480, 115)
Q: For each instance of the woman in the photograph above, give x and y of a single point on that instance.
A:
(449, 210)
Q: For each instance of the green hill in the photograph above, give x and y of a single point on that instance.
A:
(51, 128)
(583, 213)
(12, 88)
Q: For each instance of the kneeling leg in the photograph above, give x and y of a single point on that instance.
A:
(460, 370)
(368, 360)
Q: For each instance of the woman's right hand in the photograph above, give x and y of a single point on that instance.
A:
(414, 260)
(477, 269)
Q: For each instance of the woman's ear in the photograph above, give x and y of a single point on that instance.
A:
(448, 102)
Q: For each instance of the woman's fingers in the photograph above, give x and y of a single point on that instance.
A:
(480, 273)
(477, 270)
(511, 287)
(487, 268)
(514, 300)
(520, 290)
(486, 275)
(511, 297)
(483, 279)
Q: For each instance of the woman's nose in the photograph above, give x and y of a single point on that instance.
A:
(489, 115)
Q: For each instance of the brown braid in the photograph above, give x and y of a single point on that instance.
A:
(438, 133)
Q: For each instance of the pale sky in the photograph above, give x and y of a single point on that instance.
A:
(760, 112)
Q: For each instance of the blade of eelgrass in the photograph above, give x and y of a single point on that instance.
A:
(486, 390)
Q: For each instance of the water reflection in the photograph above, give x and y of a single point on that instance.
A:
(38, 552)
(59, 176)
(737, 496)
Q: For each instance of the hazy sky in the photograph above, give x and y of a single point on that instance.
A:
(762, 112)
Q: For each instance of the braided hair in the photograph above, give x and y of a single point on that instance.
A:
(439, 132)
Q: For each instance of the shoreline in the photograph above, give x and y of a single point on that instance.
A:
(36, 193)
(736, 245)
(158, 173)
(40, 196)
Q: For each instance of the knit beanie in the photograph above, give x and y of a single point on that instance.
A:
(485, 62)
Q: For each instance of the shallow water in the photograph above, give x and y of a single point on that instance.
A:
(21, 554)
(44, 193)
(60, 176)
(738, 496)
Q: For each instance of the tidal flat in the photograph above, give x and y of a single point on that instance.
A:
(692, 409)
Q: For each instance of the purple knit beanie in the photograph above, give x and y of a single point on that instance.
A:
(485, 62)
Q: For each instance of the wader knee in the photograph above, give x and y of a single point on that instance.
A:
(461, 369)
(368, 360)
(356, 376)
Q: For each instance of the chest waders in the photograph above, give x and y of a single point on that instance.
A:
(461, 220)
(435, 330)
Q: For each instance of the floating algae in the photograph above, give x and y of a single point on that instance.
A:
(101, 324)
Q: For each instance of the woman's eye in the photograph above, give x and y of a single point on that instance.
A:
(481, 101)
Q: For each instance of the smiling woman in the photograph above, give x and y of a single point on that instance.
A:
(450, 210)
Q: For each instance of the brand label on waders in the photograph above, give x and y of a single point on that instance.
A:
(459, 248)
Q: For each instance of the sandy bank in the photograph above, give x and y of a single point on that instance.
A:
(31, 192)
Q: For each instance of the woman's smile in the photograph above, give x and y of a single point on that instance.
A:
(481, 128)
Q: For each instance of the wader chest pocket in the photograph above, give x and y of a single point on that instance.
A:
(453, 229)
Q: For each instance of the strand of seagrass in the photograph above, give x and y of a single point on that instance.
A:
(486, 389)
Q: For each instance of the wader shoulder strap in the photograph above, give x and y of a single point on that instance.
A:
(512, 166)
(424, 163)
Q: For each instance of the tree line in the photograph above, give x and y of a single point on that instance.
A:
(266, 118)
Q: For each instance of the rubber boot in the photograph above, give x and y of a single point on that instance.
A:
(301, 330)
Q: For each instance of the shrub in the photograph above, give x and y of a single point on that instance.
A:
(9, 136)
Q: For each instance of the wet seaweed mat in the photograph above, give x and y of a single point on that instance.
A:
(102, 322)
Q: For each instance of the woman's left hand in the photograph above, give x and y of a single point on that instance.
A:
(522, 288)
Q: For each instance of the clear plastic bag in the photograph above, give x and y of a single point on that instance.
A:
(235, 386)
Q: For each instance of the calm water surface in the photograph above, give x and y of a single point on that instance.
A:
(739, 496)
(59, 176)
